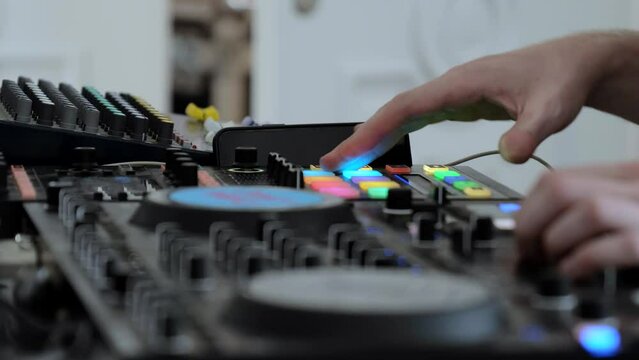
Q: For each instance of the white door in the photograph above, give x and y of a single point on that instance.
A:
(338, 61)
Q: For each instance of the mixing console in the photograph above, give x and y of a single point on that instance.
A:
(55, 120)
(264, 257)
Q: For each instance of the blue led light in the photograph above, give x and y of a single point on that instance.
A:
(509, 208)
(312, 173)
(600, 340)
(450, 180)
(402, 179)
(348, 174)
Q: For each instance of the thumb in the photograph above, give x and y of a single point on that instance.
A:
(531, 128)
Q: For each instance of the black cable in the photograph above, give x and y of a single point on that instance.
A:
(495, 152)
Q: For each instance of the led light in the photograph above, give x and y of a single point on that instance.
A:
(509, 208)
(430, 169)
(398, 169)
(461, 185)
(315, 173)
(348, 174)
(450, 180)
(359, 179)
(477, 192)
(441, 174)
(311, 179)
(378, 193)
(378, 184)
(328, 184)
(599, 340)
(345, 193)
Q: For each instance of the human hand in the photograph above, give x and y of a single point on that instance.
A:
(585, 219)
(543, 87)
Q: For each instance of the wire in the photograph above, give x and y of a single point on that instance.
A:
(495, 152)
(137, 163)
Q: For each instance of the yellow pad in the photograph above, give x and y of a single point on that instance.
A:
(365, 185)
(366, 168)
(311, 179)
(315, 167)
(430, 169)
(477, 192)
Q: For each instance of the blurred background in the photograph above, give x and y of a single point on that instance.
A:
(309, 61)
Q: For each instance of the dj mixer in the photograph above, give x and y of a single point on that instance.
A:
(267, 256)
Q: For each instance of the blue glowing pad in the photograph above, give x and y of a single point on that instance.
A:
(509, 208)
(247, 198)
(315, 173)
(360, 173)
(600, 340)
(450, 180)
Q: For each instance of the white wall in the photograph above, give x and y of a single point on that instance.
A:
(114, 45)
(346, 58)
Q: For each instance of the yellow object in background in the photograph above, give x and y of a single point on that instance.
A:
(195, 112)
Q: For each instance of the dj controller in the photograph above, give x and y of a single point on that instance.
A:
(253, 252)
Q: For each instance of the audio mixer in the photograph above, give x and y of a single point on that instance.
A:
(268, 256)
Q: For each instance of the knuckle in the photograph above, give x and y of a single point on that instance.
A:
(595, 210)
(557, 185)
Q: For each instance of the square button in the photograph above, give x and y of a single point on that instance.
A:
(462, 185)
(450, 180)
(311, 179)
(315, 167)
(378, 184)
(345, 193)
(316, 173)
(398, 169)
(348, 174)
(328, 184)
(477, 192)
(430, 169)
(366, 168)
(378, 193)
(359, 179)
(441, 174)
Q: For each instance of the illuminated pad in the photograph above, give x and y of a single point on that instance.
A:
(378, 193)
(450, 180)
(442, 174)
(461, 185)
(247, 198)
(477, 192)
(316, 173)
(348, 174)
(366, 168)
(398, 169)
(360, 179)
(315, 167)
(430, 169)
(378, 184)
(342, 192)
(311, 179)
(328, 184)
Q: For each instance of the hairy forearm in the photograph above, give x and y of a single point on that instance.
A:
(616, 90)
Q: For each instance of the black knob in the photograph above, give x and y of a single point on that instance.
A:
(553, 286)
(593, 309)
(426, 226)
(198, 268)
(484, 229)
(270, 162)
(399, 202)
(84, 157)
(167, 325)
(171, 159)
(187, 174)
(53, 193)
(245, 157)
(461, 241)
(117, 276)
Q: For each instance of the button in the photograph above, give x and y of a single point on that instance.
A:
(461, 185)
(509, 208)
(245, 157)
(317, 173)
(342, 192)
(318, 185)
(315, 167)
(311, 180)
(441, 174)
(450, 180)
(398, 169)
(477, 192)
(430, 169)
(399, 201)
(378, 193)
(378, 184)
(366, 168)
(359, 179)
(348, 174)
